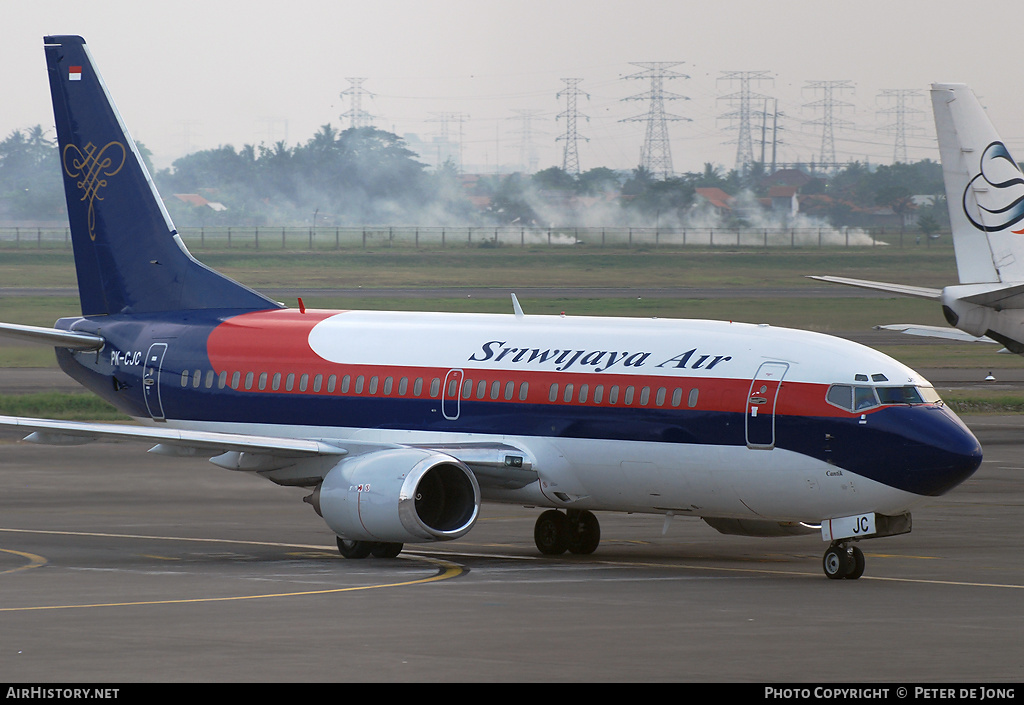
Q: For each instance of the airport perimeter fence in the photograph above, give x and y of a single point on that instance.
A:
(407, 237)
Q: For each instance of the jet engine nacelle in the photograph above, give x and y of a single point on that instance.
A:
(402, 495)
(968, 317)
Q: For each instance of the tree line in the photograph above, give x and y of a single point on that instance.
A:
(369, 176)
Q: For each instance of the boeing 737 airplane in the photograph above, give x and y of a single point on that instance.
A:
(985, 197)
(401, 424)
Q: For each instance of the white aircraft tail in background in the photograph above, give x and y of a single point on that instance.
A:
(985, 196)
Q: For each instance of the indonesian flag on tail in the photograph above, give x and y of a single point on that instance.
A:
(74, 73)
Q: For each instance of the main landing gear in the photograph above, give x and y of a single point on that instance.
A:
(843, 560)
(575, 531)
(361, 549)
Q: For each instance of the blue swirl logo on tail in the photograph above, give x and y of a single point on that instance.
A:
(1001, 188)
(91, 167)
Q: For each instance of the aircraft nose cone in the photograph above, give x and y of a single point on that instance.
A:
(936, 451)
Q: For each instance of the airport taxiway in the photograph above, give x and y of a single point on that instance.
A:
(122, 566)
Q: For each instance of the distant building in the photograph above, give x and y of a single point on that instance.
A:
(197, 201)
(784, 199)
(716, 198)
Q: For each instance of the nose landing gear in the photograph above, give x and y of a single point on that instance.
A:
(843, 560)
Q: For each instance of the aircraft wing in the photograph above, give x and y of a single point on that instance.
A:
(47, 431)
(51, 336)
(284, 460)
(919, 292)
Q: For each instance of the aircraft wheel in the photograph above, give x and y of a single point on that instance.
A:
(836, 563)
(386, 549)
(584, 532)
(354, 549)
(857, 565)
(551, 533)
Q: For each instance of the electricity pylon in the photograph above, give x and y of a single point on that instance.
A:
(571, 155)
(742, 100)
(828, 104)
(527, 148)
(357, 117)
(903, 114)
(656, 153)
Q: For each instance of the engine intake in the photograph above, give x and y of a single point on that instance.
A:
(403, 495)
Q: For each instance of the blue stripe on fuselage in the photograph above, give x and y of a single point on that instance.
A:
(924, 449)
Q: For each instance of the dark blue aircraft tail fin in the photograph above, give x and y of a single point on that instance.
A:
(128, 256)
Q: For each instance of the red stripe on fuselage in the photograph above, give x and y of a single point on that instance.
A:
(271, 339)
(277, 341)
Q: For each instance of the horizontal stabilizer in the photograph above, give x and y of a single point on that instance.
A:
(936, 332)
(998, 296)
(919, 292)
(51, 336)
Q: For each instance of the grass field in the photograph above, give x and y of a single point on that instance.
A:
(519, 269)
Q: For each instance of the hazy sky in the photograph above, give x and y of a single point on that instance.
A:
(191, 75)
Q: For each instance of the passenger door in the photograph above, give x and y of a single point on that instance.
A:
(151, 380)
(760, 406)
(451, 394)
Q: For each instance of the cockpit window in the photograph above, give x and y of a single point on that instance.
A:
(840, 395)
(899, 395)
(859, 398)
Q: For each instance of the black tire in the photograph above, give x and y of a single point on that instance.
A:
(584, 532)
(857, 565)
(354, 549)
(551, 533)
(836, 563)
(386, 549)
